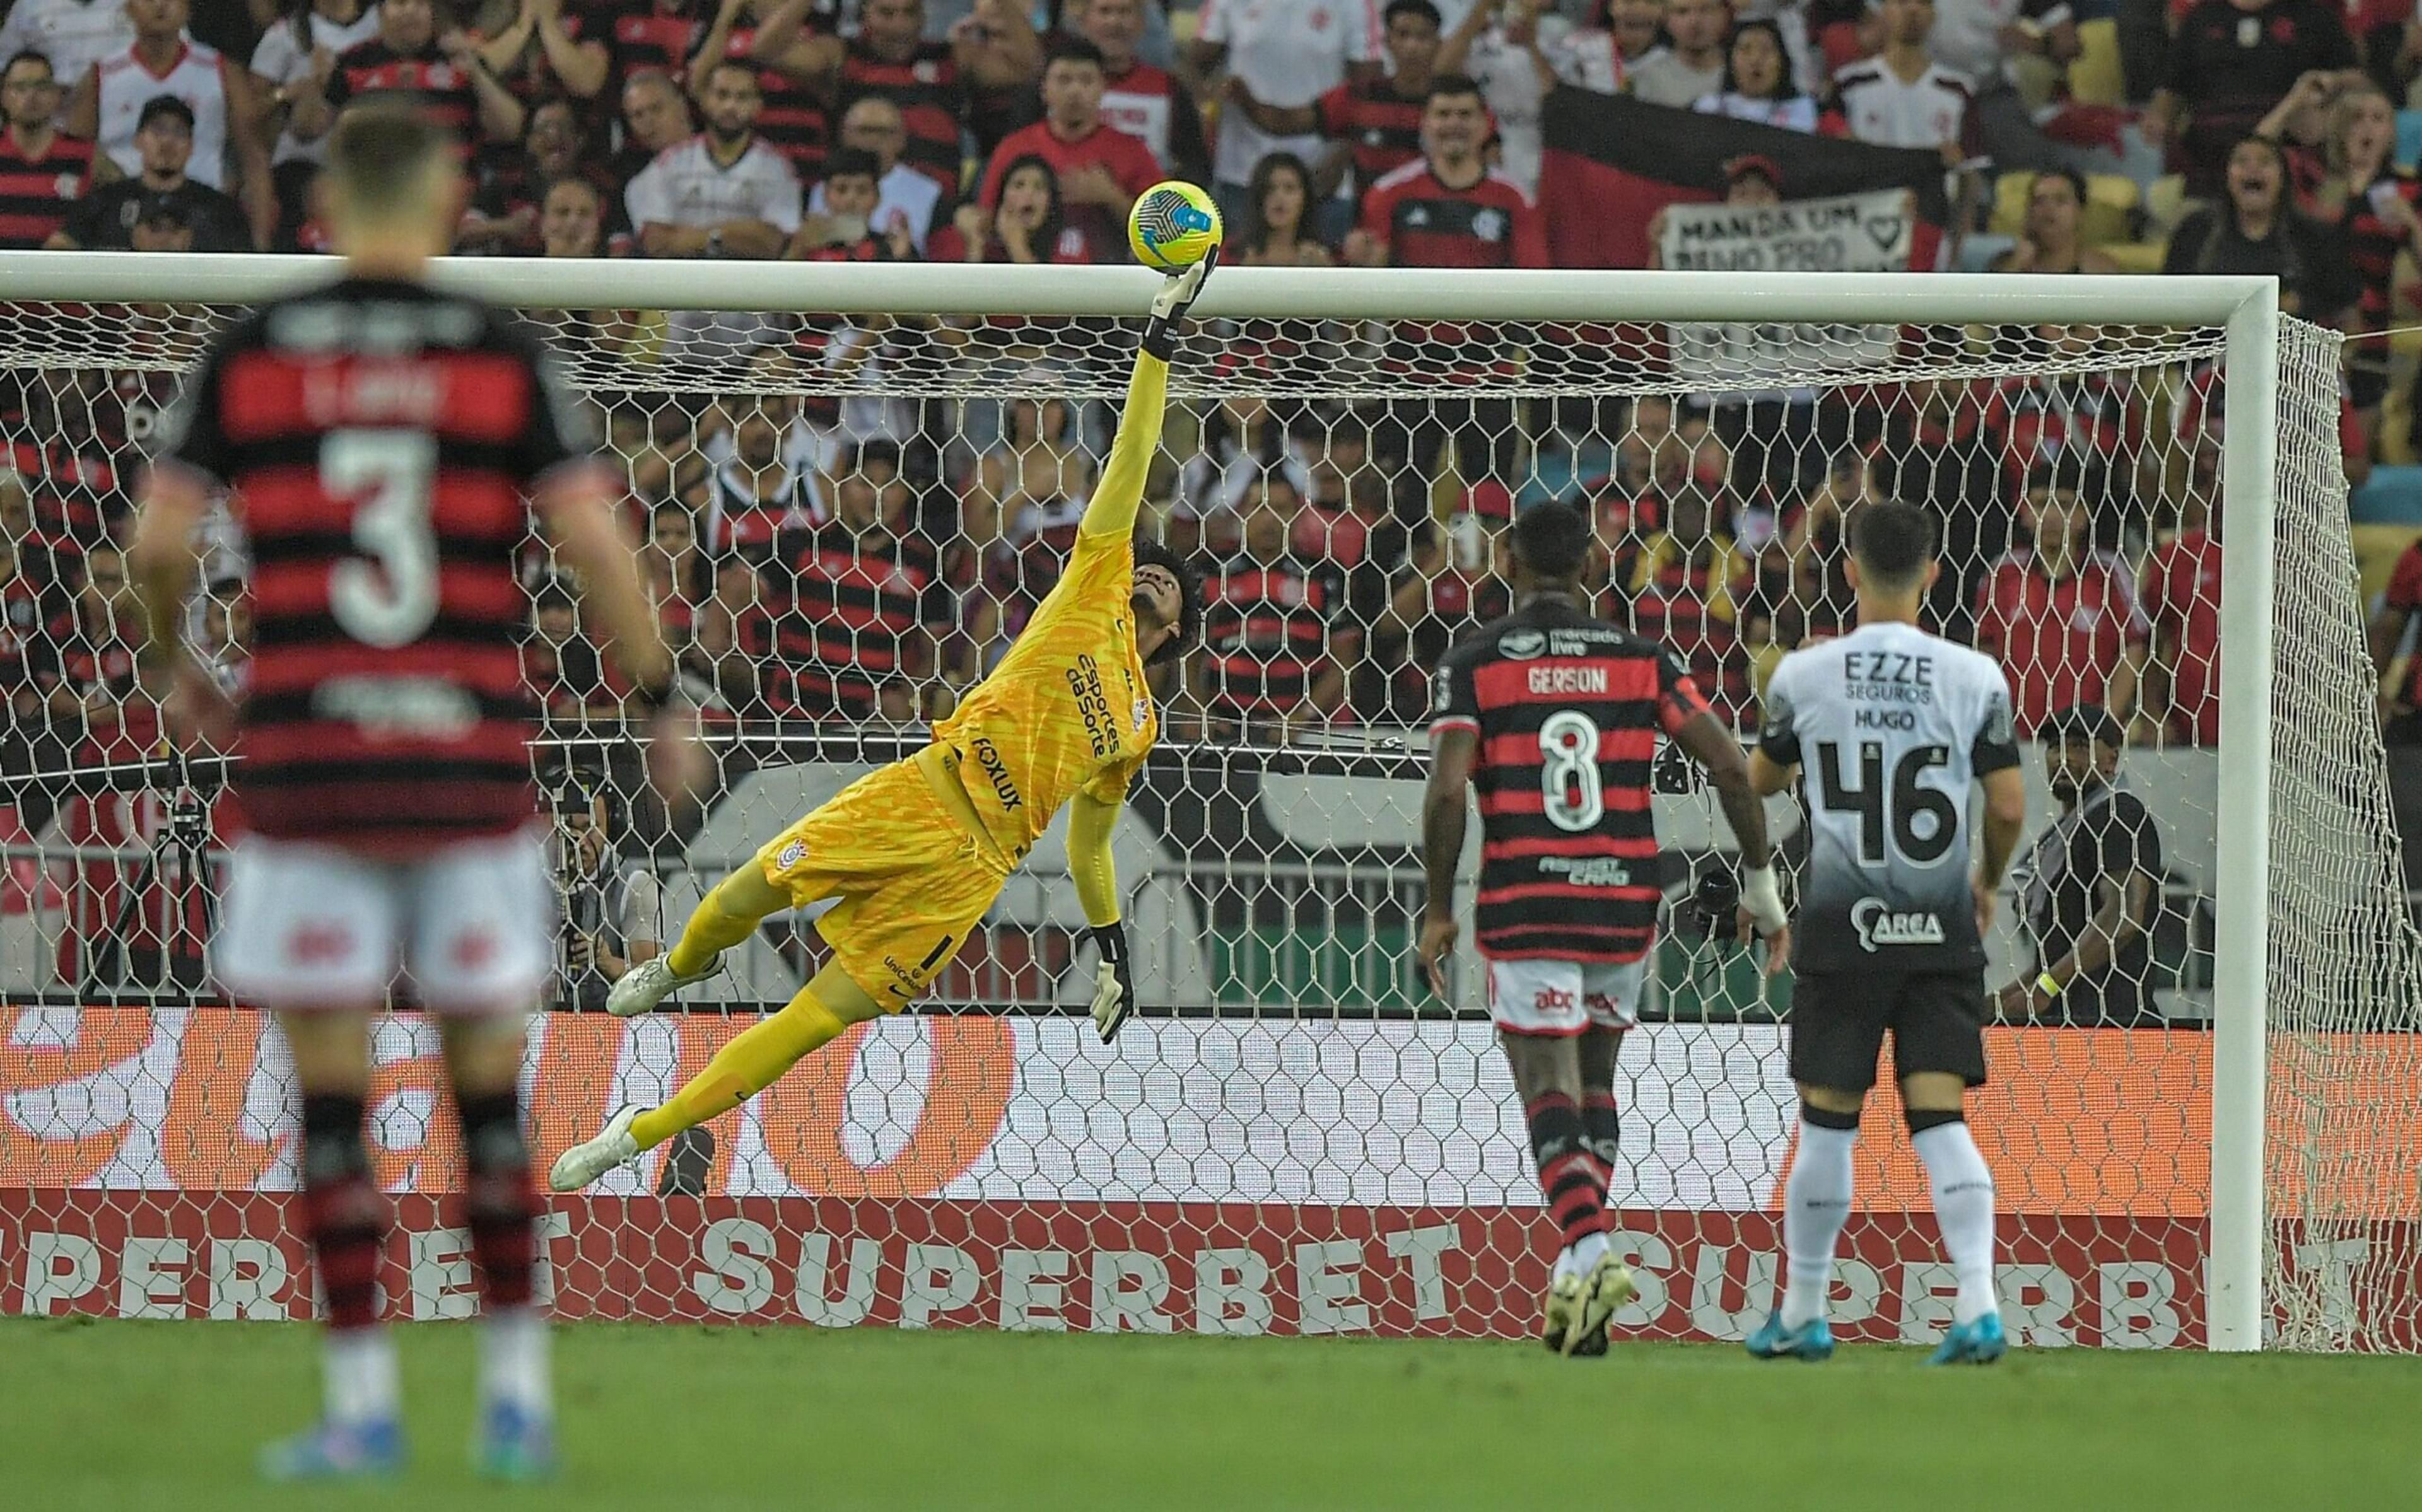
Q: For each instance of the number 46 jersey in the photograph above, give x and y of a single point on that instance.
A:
(1890, 727)
(1567, 710)
(378, 442)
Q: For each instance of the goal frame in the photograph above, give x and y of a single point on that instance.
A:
(2247, 308)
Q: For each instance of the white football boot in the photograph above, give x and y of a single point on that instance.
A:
(649, 983)
(583, 1163)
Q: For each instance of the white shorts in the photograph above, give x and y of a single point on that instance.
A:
(311, 926)
(1563, 997)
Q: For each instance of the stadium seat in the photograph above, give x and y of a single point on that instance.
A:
(2137, 256)
(2166, 203)
(2409, 138)
(2110, 206)
(2095, 76)
(2393, 496)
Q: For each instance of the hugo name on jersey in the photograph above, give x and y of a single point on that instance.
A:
(1890, 727)
(1567, 711)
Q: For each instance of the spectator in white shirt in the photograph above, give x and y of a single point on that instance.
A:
(74, 34)
(1757, 83)
(903, 197)
(723, 193)
(1497, 45)
(1901, 97)
(1602, 54)
(296, 55)
(1694, 66)
(1286, 54)
(1988, 41)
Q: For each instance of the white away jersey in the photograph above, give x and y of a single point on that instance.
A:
(1924, 114)
(1890, 727)
(684, 186)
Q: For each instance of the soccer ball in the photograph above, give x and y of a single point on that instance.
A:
(1173, 225)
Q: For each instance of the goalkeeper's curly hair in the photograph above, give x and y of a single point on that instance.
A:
(1150, 552)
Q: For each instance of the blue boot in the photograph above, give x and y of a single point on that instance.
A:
(1976, 1342)
(514, 1444)
(1811, 1341)
(336, 1451)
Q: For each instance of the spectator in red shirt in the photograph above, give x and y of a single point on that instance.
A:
(859, 606)
(43, 170)
(1029, 223)
(1449, 209)
(1101, 169)
(1685, 593)
(2182, 599)
(1145, 101)
(2062, 618)
(1276, 629)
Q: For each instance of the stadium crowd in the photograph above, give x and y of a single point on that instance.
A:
(865, 559)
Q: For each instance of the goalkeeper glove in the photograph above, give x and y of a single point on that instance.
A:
(1761, 900)
(1114, 981)
(1169, 307)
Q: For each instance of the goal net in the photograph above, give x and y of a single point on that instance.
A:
(850, 514)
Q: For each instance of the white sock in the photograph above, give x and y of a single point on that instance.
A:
(513, 1360)
(1586, 1250)
(1815, 1204)
(361, 1375)
(1963, 1205)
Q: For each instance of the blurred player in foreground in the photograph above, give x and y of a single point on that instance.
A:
(918, 850)
(379, 441)
(1897, 727)
(1553, 715)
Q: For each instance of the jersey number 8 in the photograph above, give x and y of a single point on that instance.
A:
(1568, 777)
(385, 595)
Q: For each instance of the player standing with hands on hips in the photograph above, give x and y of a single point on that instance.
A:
(1553, 716)
(1896, 728)
(382, 447)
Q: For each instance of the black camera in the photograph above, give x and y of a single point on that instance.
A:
(1715, 899)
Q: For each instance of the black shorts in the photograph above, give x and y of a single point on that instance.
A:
(1838, 1021)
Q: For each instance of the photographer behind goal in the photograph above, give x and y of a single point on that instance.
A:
(613, 916)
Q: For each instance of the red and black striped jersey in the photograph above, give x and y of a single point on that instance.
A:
(1567, 710)
(641, 35)
(37, 192)
(926, 89)
(379, 442)
(1265, 630)
(791, 116)
(1383, 127)
(1428, 223)
(2373, 244)
(444, 90)
(845, 609)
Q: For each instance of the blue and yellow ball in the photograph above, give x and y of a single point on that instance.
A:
(1172, 226)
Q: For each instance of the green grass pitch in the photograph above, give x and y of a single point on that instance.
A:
(166, 1416)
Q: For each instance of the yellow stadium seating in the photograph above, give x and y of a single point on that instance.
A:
(2095, 77)
(2111, 203)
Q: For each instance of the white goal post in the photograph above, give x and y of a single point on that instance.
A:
(2243, 1265)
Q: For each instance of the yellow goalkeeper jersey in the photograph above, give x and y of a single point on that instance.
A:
(1068, 710)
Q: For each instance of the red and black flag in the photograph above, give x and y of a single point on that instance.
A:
(1626, 160)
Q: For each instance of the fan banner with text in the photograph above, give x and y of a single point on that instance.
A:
(1221, 1176)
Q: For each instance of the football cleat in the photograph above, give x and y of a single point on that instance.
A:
(336, 1451)
(583, 1163)
(1605, 1286)
(1811, 1341)
(514, 1444)
(649, 983)
(1976, 1342)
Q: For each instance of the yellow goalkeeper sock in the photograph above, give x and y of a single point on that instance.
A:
(741, 1069)
(718, 925)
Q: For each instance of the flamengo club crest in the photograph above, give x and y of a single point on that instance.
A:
(1880, 925)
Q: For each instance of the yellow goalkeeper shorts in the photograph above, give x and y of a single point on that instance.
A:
(912, 880)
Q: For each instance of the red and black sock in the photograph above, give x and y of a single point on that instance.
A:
(1567, 1170)
(501, 1208)
(343, 1212)
(1602, 1136)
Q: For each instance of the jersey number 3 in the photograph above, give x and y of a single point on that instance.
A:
(386, 593)
(1891, 816)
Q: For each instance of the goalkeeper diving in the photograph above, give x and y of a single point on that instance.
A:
(916, 851)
